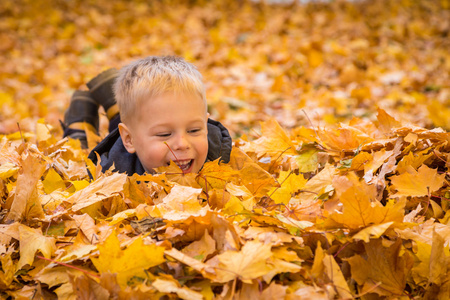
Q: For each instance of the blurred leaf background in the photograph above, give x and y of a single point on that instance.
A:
(314, 63)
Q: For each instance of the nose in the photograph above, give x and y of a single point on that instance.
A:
(181, 142)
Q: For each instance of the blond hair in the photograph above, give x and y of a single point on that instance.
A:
(152, 76)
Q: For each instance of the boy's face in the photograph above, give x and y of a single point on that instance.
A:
(169, 120)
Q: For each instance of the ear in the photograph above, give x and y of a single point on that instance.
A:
(127, 139)
(207, 115)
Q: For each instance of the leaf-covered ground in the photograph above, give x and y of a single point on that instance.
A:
(338, 183)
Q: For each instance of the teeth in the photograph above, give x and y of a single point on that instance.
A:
(184, 164)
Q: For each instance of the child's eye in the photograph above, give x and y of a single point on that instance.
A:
(194, 130)
(163, 135)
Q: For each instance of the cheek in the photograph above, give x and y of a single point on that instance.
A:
(202, 147)
(154, 154)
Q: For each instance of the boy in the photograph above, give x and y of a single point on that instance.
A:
(158, 113)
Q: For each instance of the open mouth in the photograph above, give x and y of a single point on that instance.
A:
(184, 165)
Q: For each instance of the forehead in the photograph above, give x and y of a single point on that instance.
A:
(171, 108)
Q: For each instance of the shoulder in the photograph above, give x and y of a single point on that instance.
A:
(112, 152)
(219, 141)
(105, 145)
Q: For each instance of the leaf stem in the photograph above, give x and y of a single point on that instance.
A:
(176, 158)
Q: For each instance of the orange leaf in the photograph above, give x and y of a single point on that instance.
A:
(273, 141)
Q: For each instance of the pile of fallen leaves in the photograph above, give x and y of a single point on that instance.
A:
(341, 192)
(319, 213)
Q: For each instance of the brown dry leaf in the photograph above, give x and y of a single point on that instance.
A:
(202, 248)
(384, 271)
(26, 204)
(59, 276)
(87, 226)
(203, 268)
(252, 291)
(86, 288)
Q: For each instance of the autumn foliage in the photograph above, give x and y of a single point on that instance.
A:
(337, 186)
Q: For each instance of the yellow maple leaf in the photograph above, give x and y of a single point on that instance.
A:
(7, 170)
(181, 203)
(290, 183)
(103, 188)
(128, 263)
(360, 160)
(413, 159)
(320, 184)
(171, 286)
(374, 231)
(215, 175)
(359, 211)
(175, 174)
(247, 264)
(334, 274)
(307, 161)
(257, 180)
(417, 183)
(53, 181)
(430, 261)
(31, 240)
(7, 270)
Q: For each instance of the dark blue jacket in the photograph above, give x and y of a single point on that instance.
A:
(112, 151)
